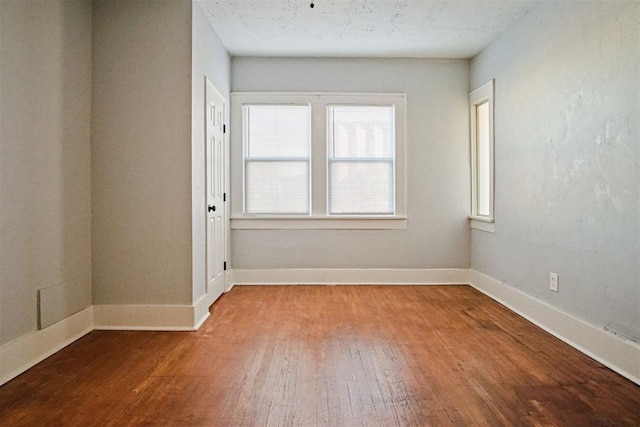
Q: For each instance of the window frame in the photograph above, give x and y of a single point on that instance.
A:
(481, 95)
(319, 217)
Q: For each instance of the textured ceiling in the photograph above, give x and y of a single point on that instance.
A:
(361, 28)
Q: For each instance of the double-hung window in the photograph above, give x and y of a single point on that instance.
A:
(361, 157)
(276, 159)
(318, 160)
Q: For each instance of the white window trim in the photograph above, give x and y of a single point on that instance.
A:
(482, 224)
(319, 218)
(484, 93)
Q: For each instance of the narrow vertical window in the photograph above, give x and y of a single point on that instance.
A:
(482, 167)
(276, 159)
(361, 160)
(483, 163)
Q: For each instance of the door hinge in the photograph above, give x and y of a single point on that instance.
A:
(224, 128)
(224, 197)
(225, 266)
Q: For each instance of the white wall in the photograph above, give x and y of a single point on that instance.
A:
(437, 234)
(210, 59)
(141, 169)
(45, 156)
(567, 180)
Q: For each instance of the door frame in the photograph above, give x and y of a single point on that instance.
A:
(218, 115)
(200, 297)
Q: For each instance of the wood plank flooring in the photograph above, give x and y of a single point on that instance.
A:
(327, 355)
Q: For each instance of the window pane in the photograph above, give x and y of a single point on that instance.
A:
(277, 130)
(277, 139)
(277, 187)
(361, 160)
(361, 131)
(361, 188)
(483, 153)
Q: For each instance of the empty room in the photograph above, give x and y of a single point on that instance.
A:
(319, 212)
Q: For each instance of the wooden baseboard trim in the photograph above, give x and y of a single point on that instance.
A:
(25, 352)
(615, 353)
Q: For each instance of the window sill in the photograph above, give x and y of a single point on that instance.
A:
(482, 224)
(319, 223)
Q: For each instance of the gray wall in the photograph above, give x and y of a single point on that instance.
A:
(45, 157)
(567, 180)
(210, 59)
(141, 165)
(437, 234)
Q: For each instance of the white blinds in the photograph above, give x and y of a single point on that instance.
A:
(276, 159)
(361, 156)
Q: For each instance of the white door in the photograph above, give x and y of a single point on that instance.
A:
(215, 188)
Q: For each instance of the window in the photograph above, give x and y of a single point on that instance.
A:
(361, 160)
(482, 168)
(318, 160)
(276, 159)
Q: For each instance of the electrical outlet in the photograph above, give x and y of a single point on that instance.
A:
(554, 282)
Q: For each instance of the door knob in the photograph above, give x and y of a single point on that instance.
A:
(211, 208)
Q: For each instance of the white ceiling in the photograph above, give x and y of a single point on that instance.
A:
(361, 28)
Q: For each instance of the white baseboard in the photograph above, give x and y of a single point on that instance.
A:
(351, 276)
(229, 281)
(201, 307)
(23, 353)
(615, 353)
(147, 317)
(201, 310)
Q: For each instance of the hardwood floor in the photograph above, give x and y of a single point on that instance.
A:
(327, 355)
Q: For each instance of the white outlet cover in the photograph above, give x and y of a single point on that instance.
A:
(554, 282)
